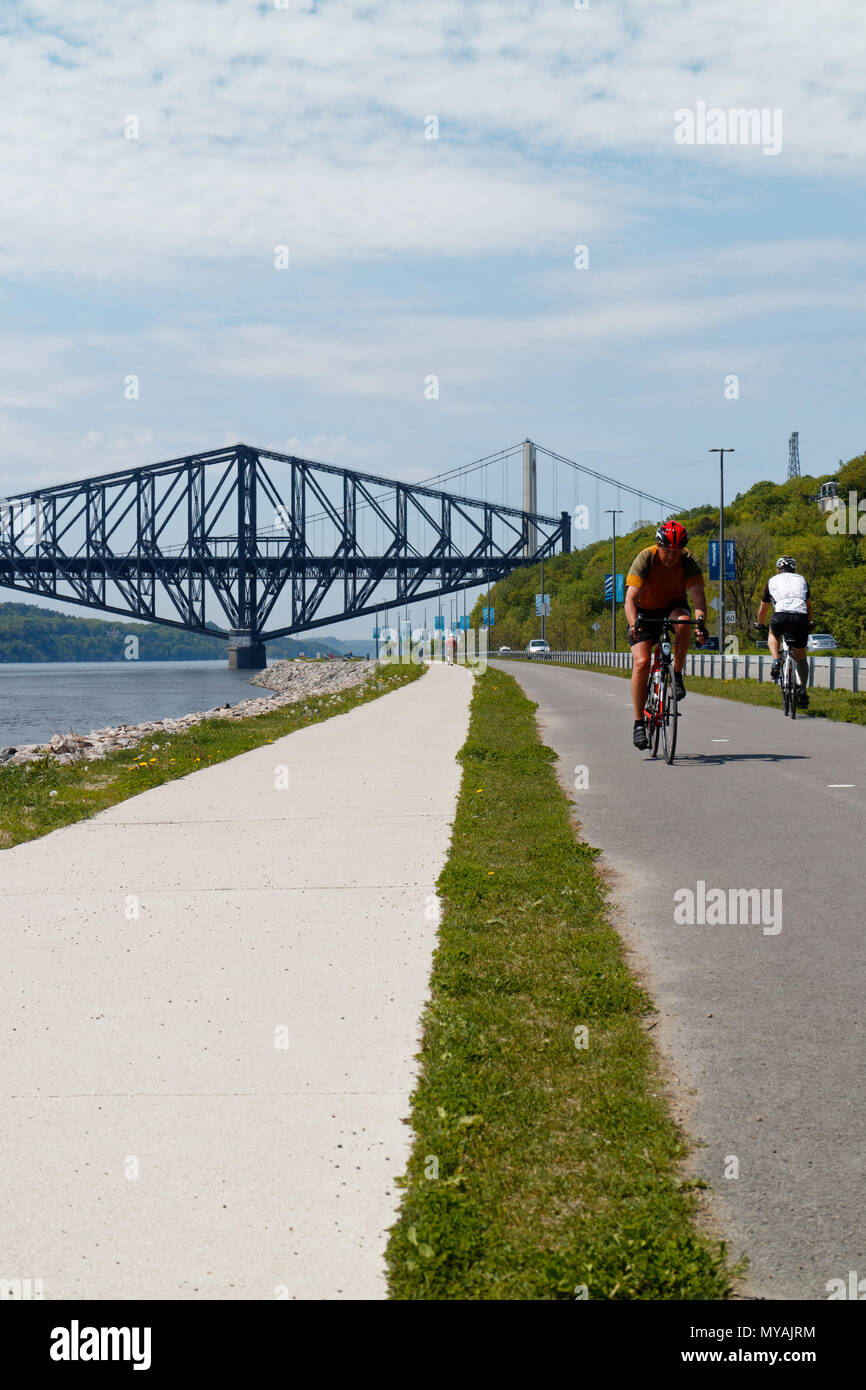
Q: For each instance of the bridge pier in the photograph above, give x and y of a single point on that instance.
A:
(251, 658)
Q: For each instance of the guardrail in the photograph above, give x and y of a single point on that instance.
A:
(826, 672)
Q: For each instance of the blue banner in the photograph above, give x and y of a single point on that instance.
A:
(438, 623)
(730, 560)
(620, 587)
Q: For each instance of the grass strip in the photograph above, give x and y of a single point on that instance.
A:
(38, 797)
(846, 706)
(545, 1157)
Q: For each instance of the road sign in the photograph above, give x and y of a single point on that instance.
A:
(714, 604)
(620, 587)
(596, 626)
(730, 559)
(730, 616)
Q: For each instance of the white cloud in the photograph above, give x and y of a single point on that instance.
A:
(302, 127)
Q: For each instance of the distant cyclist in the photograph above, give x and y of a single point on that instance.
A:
(657, 584)
(788, 594)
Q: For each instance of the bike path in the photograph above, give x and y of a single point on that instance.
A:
(211, 999)
(764, 1032)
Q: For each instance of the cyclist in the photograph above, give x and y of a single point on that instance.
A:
(657, 584)
(788, 594)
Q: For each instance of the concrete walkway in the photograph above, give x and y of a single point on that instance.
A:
(206, 1100)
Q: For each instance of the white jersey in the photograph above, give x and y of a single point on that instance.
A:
(787, 592)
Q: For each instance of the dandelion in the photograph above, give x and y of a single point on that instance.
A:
(52, 793)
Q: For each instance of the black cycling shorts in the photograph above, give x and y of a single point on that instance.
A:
(647, 628)
(795, 624)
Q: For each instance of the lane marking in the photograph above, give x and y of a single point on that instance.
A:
(720, 740)
(841, 784)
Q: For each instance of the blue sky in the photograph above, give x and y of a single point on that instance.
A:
(305, 126)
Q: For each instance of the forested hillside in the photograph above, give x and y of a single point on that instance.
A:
(30, 633)
(767, 521)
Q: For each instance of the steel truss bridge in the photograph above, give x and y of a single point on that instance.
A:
(214, 543)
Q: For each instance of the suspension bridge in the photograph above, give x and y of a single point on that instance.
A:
(249, 545)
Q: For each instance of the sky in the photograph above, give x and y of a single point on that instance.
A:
(156, 156)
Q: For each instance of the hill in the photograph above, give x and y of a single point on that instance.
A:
(769, 520)
(31, 633)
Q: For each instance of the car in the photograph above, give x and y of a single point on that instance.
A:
(538, 647)
(820, 642)
(503, 651)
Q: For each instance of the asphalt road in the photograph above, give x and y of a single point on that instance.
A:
(761, 1020)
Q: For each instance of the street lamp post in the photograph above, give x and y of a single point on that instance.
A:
(721, 453)
(614, 512)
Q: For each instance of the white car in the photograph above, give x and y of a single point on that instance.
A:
(503, 651)
(538, 647)
(820, 642)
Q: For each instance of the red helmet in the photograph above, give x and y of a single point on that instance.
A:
(673, 534)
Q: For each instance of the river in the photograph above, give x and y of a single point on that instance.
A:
(38, 699)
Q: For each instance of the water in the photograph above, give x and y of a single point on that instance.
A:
(38, 699)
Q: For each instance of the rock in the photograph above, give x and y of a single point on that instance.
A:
(288, 682)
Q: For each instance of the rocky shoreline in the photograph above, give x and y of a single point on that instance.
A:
(290, 681)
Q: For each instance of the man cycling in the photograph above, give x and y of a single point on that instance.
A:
(788, 593)
(657, 583)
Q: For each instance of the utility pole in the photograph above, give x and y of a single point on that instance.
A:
(614, 513)
(721, 453)
(488, 603)
(542, 597)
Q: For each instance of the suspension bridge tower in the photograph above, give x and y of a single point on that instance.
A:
(794, 455)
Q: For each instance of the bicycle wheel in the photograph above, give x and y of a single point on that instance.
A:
(786, 698)
(653, 729)
(669, 714)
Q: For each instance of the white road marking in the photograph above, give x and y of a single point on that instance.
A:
(720, 740)
(841, 784)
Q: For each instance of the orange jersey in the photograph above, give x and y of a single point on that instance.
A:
(661, 585)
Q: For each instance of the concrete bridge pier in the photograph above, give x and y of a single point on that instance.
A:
(245, 655)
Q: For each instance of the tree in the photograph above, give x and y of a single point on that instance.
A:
(752, 557)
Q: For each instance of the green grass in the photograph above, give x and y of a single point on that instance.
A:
(538, 1165)
(28, 809)
(842, 705)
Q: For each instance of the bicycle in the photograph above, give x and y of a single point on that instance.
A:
(788, 677)
(661, 712)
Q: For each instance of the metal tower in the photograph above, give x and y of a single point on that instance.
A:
(794, 455)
